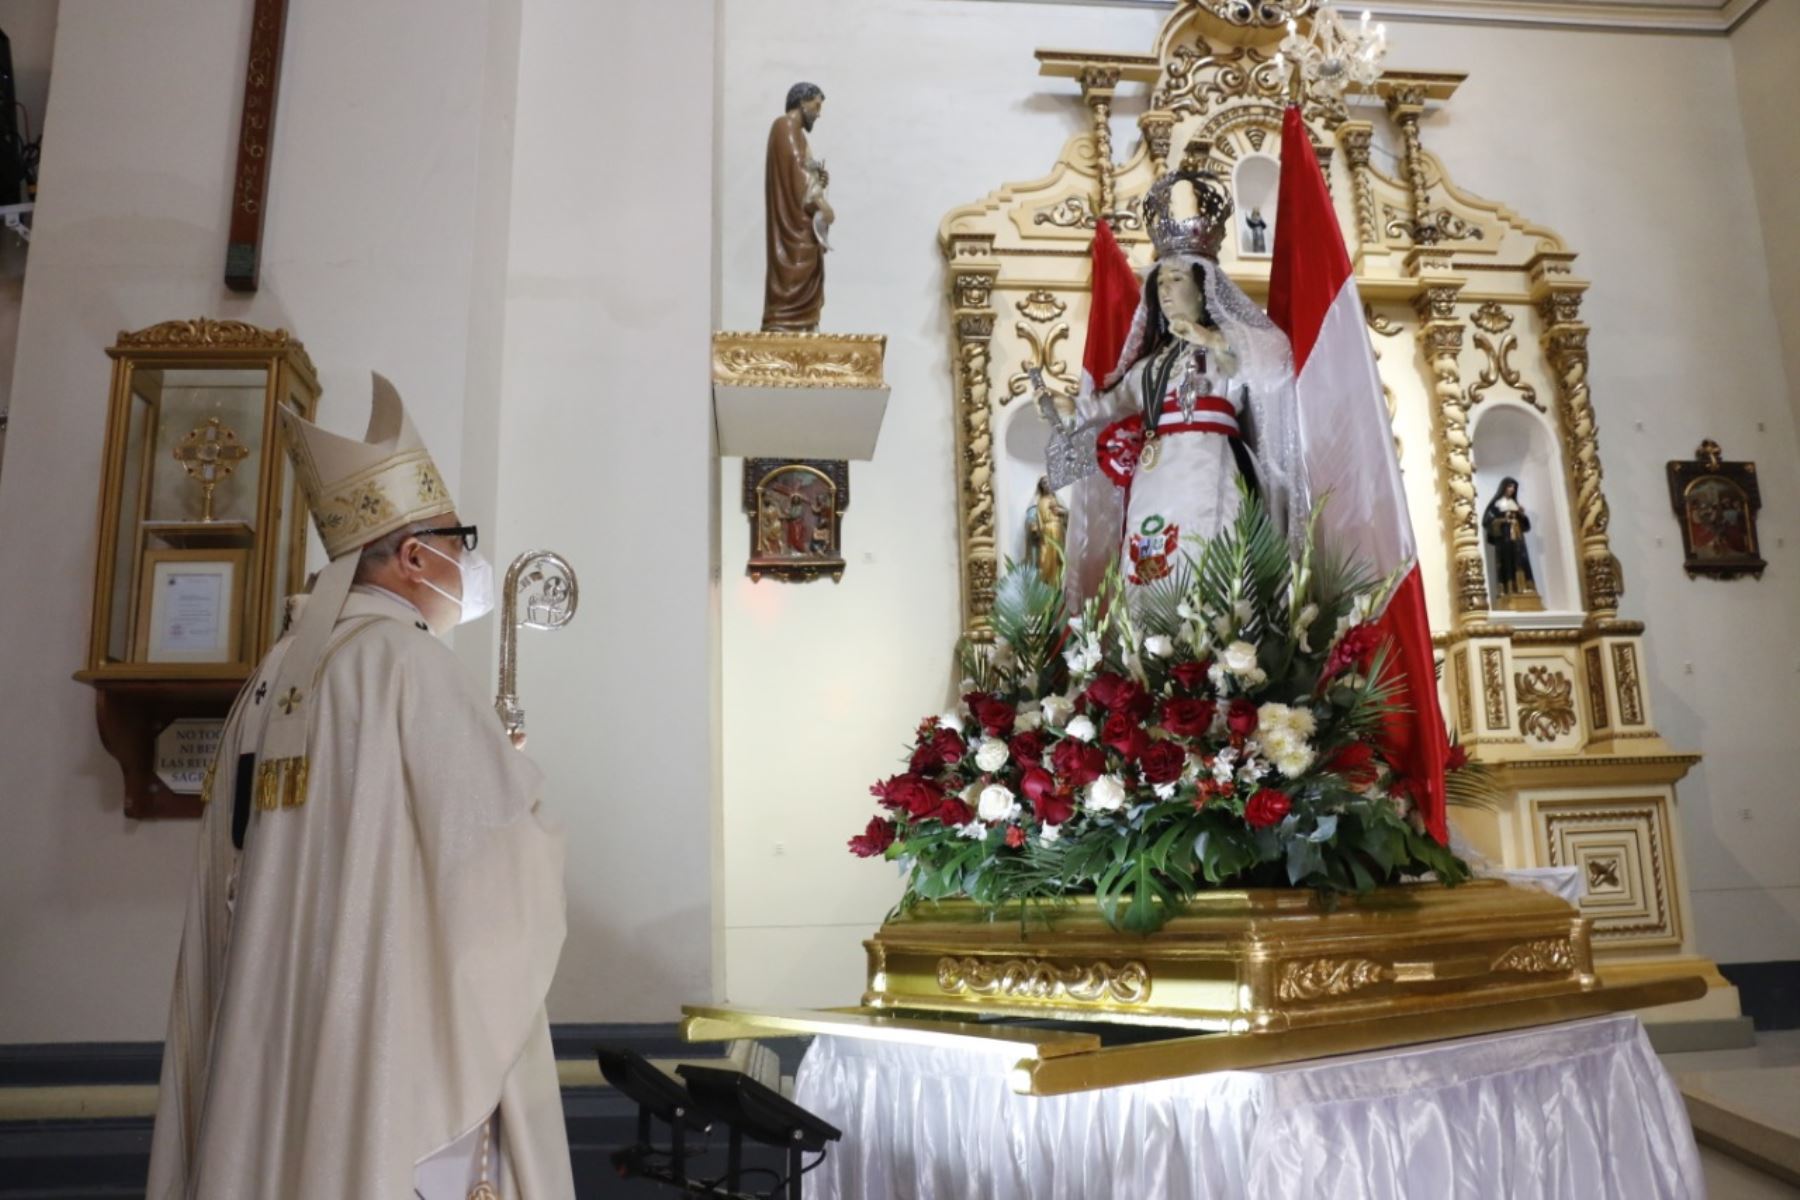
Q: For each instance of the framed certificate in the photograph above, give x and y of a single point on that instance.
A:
(188, 607)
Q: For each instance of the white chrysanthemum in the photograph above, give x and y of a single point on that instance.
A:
(1294, 760)
(991, 755)
(1081, 729)
(1106, 794)
(997, 803)
(1057, 711)
(1160, 645)
(951, 720)
(1239, 658)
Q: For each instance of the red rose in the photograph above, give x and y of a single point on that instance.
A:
(1077, 763)
(916, 796)
(1353, 649)
(1459, 758)
(949, 746)
(1116, 694)
(874, 840)
(954, 812)
(1163, 762)
(1124, 734)
(1356, 763)
(1015, 836)
(925, 759)
(1190, 676)
(1036, 783)
(1266, 808)
(1053, 808)
(1028, 748)
(995, 716)
(1240, 718)
(1188, 718)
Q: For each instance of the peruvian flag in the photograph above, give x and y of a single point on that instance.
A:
(1115, 301)
(1349, 449)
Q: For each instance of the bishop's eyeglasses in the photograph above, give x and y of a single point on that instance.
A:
(470, 535)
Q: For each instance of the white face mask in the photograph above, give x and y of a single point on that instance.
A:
(477, 599)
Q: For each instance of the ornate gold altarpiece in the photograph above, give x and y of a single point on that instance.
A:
(1476, 316)
(1477, 313)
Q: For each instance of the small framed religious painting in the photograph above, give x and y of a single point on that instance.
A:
(189, 605)
(796, 510)
(1716, 503)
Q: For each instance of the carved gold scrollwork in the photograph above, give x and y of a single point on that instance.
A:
(1631, 698)
(1493, 687)
(784, 360)
(1603, 873)
(205, 331)
(1496, 341)
(1596, 683)
(1041, 306)
(1442, 224)
(1465, 710)
(1545, 956)
(1546, 703)
(972, 271)
(1077, 212)
(1357, 138)
(1042, 358)
(1199, 78)
(1038, 979)
(1379, 323)
(1310, 979)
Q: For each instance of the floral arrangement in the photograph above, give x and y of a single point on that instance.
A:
(1220, 730)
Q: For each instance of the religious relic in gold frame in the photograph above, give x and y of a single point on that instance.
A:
(200, 540)
(1716, 503)
(796, 510)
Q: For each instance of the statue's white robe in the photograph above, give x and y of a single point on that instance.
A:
(365, 981)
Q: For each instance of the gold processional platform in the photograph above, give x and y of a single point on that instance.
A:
(1240, 979)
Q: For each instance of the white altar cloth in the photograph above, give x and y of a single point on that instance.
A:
(1580, 1111)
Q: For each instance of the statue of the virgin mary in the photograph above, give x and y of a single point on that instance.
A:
(1202, 396)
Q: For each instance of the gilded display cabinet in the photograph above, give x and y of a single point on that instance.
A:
(1475, 312)
(200, 542)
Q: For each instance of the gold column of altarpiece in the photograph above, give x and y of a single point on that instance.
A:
(1476, 309)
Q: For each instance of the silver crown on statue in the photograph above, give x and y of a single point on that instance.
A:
(1203, 232)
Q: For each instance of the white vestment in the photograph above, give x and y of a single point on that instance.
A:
(363, 983)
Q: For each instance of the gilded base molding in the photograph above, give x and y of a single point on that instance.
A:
(798, 360)
(1242, 961)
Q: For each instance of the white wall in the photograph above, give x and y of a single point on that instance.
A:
(606, 456)
(1628, 145)
(370, 242)
(1766, 48)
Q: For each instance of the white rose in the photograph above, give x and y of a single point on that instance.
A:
(1049, 833)
(1057, 711)
(1028, 720)
(1106, 794)
(951, 720)
(971, 795)
(1239, 658)
(991, 755)
(996, 803)
(1081, 729)
(1161, 645)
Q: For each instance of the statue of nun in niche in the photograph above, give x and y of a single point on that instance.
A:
(1506, 525)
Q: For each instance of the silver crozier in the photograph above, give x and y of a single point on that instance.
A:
(540, 593)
